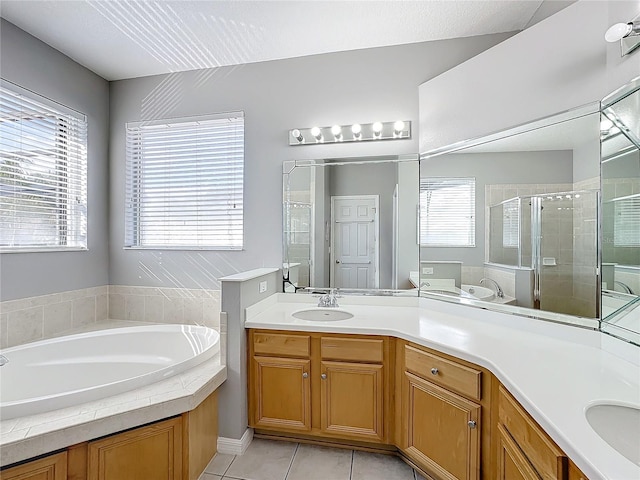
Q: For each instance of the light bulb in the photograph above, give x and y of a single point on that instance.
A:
(398, 127)
(336, 130)
(356, 129)
(377, 130)
(317, 133)
(618, 32)
(297, 135)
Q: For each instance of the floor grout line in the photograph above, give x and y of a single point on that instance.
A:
(229, 466)
(292, 459)
(351, 469)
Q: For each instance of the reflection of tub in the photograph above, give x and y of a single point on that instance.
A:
(481, 293)
(66, 371)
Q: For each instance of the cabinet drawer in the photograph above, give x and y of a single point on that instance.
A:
(352, 349)
(281, 344)
(548, 460)
(454, 376)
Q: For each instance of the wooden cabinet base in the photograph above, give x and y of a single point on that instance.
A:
(178, 448)
(53, 467)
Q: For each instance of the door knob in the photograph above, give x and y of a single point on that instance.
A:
(337, 261)
(472, 423)
(323, 376)
(305, 375)
(434, 371)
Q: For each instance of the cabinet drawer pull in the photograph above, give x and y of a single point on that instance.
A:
(323, 376)
(434, 371)
(472, 423)
(305, 375)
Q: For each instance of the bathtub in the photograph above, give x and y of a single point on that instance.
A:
(65, 371)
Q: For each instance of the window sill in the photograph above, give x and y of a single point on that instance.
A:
(178, 249)
(43, 249)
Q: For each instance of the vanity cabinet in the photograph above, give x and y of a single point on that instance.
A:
(52, 467)
(319, 384)
(441, 415)
(537, 453)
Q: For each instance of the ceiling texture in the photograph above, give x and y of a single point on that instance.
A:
(120, 39)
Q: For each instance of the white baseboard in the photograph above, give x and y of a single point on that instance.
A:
(232, 446)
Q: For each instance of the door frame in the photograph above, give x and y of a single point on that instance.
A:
(376, 232)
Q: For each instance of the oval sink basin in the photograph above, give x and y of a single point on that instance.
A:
(618, 425)
(322, 314)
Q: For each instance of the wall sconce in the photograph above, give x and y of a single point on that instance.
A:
(351, 133)
(628, 34)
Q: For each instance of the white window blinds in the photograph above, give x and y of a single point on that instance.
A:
(626, 224)
(43, 173)
(184, 184)
(511, 223)
(447, 212)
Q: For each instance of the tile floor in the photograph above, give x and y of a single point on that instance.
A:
(275, 460)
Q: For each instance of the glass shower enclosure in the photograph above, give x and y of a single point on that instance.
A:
(553, 240)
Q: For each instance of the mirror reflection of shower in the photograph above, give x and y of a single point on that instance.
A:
(551, 238)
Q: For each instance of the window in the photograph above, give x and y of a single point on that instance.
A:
(185, 182)
(510, 223)
(447, 212)
(626, 223)
(43, 173)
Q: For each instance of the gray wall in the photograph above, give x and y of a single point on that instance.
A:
(358, 86)
(492, 169)
(32, 64)
(545, 69)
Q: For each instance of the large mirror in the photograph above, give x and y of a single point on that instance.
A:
(620, 139)
(510, 221)
(351, 223)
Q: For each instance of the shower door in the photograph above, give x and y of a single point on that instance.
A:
(564, 252)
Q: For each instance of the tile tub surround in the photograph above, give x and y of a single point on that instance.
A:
(36, 318)
(555, 371)
(281, 460)
(26, 437)
(165, 305)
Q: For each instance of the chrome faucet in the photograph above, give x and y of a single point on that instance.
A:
(329, 299)
(3, 360)
(625, 286)
(499, 291)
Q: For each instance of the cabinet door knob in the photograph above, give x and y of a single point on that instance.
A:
(305, 375)
(323, 376)
(472, 423)
(434, 371)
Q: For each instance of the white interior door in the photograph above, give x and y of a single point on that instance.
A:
(354, 242)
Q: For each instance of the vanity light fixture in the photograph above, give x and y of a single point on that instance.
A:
(356, 132)
(297, 135)
(317, 134)
(628, 34)
(377, 130)
(356, 129)
(336, 130)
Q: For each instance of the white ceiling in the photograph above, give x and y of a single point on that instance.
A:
(124, 39)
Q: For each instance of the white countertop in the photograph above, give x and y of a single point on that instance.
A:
(26, 437)
(555, 371)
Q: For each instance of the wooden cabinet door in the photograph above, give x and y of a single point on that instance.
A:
(281, 393)
(151, 452)
(443, 430)
(512, 463)
(352, 400)
(53, 467)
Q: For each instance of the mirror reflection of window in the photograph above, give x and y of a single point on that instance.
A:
(447, 212)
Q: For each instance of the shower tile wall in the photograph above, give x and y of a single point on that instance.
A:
(299, 247)
(35, 318)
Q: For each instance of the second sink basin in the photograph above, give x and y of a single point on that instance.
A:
(322, 314)
(619, 426)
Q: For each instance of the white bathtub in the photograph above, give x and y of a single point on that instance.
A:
(67, 371)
